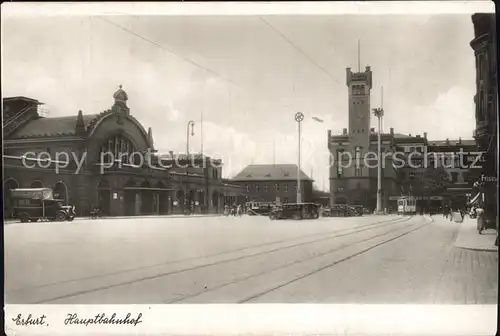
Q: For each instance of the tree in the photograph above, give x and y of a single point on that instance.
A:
(436, 180)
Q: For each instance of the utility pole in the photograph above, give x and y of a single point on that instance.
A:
(299, 117)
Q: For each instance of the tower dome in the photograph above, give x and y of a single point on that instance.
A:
(120, 96)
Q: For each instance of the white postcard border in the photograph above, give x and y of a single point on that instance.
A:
(231, 319)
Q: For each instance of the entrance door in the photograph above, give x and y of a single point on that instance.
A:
(137, 204)
(104, 197)
(129, 198)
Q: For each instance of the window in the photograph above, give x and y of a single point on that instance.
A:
(285, 200)
(277, 186)
(248, 188)
(340, 170)
(257, 188)
(285, 187)
(117, 147)
(454, 177)
(266, 188)
(465, 176)
(357, 157)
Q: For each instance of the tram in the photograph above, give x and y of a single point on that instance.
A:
(407, 205)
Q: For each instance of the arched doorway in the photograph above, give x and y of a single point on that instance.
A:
(147, 199)
(215, 201)
(36, 184)
(129, 198)
(104, 197)
(8, 205)
(163, 199)
(180, 201)
(201, 200)
(61, 192)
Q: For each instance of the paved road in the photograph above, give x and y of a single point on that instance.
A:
(371, 259)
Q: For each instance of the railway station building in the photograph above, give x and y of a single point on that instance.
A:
(133, 180)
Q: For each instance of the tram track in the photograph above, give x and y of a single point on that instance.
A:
(166, 263)
(330, 235)
(299, 261)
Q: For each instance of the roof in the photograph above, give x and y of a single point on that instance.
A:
(54, 126)
(467, 142)
(270, 172)
(7, 99)
(185, 157)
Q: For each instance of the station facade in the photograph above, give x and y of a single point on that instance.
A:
(133, 180)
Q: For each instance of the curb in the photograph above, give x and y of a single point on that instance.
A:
(477, 249)
(9, 222)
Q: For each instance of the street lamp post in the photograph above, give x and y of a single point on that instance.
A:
(379, 113)
(190, 123)
(299, 117)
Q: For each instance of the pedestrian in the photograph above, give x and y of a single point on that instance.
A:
(480, 219)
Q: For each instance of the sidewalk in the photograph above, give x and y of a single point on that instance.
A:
(468, 237)
(14, 221)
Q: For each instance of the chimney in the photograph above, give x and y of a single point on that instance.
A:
(460, 140)
(171, 154)
(80, 125)
(409, 134)
(447, 141)
(372, 130)
(150, 138)
(392, 130)
(344, 131)
(425, 135)
(418, 135)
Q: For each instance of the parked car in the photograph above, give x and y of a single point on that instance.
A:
(295, 211)
(33, 204)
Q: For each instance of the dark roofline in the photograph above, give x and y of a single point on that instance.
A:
(22, 98)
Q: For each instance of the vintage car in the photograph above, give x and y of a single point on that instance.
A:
(33, 204)
(295, 211)
(258, 208)
(343, 210)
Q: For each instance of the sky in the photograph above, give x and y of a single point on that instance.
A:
(247, 76)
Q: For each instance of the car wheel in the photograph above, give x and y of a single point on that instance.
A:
(61, 217)
(24, 217)
(70, 219)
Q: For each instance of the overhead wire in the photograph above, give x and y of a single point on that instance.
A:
(196, 64)
(310, 59)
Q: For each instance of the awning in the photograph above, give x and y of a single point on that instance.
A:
(148, 188)
(475, 199)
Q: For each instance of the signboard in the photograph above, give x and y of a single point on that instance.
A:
(394, 198)
(115, 195)
(436, 198)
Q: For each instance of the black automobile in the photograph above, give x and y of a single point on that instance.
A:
(295, 211)
(31, 205)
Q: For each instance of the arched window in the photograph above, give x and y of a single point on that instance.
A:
(116, 147)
